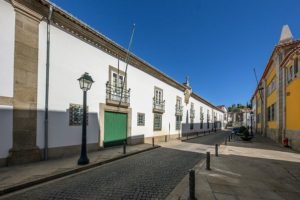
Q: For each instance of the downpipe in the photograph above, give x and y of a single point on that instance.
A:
(47, 84)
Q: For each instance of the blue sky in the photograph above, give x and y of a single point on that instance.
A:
(216, 43)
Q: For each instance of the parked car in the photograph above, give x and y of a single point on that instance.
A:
(235, 130)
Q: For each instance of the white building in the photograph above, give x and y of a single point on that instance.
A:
(153, 104)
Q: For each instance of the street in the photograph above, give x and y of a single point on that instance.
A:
(150, 175)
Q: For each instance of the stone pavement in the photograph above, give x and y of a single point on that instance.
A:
(260, 169)
(21, 176)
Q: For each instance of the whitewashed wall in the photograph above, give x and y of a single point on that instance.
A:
(7, 34)
(70, 57)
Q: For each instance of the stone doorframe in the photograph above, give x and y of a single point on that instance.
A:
(104, 107)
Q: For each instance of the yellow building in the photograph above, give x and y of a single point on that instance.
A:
(276, 100)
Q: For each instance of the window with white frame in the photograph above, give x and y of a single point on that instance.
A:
(158, 95)
(293, 71)
(157, 122)
(178, 121)
(201, 117)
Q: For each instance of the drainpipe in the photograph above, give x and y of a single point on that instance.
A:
(47, 84)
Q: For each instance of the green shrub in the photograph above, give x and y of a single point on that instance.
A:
(244, 133)
(242, 129)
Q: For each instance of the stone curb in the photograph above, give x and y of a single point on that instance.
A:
(69, 172)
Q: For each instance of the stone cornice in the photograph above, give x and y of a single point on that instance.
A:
(26, 11)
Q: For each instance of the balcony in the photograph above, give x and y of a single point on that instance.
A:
(158, 106)
(178, 109)
(114, 97)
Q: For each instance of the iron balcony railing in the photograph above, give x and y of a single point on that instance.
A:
(178, 109)
(113, 93)
(158, 105)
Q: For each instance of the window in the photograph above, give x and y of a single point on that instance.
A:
(157, 123)
(272, 86)
(201, 117)
(208, 119)
(75, 115)
(178, 121)
(116, 87)
(178, 106)
(271, 112)
(158, 95)
(290, 74)
(141, 119)
(295, 67)
(258, 118)
(192, 123)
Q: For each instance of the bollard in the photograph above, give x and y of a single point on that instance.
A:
(225, 141)
(208, 160)
(187, 135)
(124, 147)
(166, 139)
(216, 149)
(229, 139)
(192, 185)
(153, 141)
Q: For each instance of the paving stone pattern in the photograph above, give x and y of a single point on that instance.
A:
(150, 175)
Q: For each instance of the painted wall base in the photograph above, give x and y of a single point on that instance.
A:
(161, 138)
(274, 135)
(294, 139)
(65, 151)
(23, 156)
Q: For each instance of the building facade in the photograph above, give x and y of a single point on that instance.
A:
(43, 51)
(276, 100)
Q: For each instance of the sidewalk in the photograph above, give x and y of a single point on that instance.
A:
(21, 176)
(260, 169)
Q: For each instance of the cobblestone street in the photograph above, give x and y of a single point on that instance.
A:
(149, 175)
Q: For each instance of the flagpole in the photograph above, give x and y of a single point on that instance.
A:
(126, 61)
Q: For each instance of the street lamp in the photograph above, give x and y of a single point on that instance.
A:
(85, 82)
(251, 116)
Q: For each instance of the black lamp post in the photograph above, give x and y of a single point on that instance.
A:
(85, 82)
(251, 119)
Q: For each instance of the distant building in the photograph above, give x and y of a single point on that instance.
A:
(225, 119)
(240, 117)
(276, 100)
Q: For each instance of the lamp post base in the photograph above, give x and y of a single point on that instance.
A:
(83, 160)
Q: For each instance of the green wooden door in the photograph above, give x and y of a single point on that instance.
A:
(115, 128)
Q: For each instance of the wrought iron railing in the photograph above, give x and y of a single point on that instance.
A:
(159, 105)
(178, 109)
(113, 93)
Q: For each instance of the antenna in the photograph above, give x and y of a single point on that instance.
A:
(259, 89)
(126, 61)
